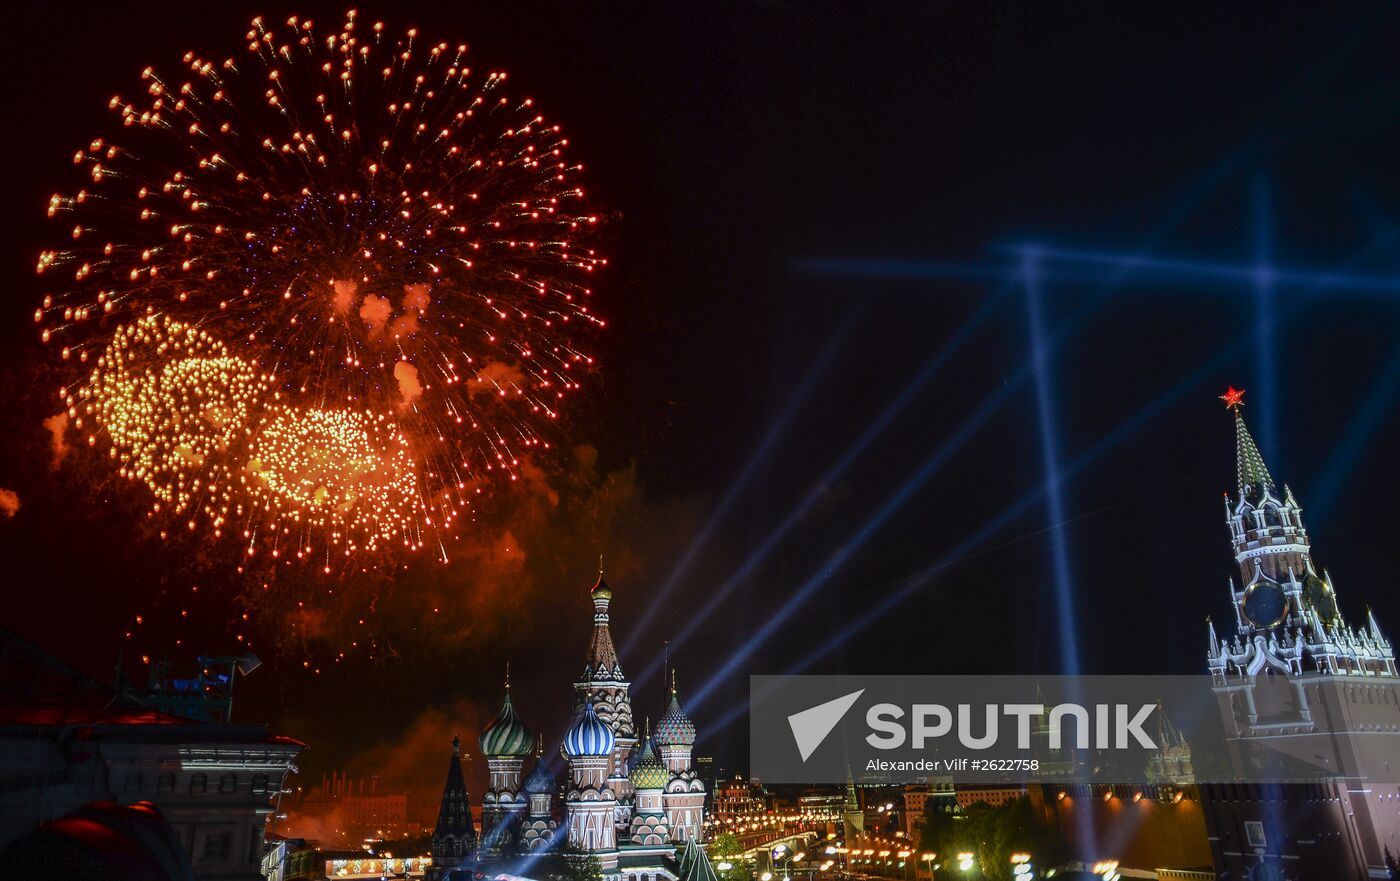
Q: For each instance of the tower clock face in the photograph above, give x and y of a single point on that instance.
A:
(1319, 597)
(1264, 604)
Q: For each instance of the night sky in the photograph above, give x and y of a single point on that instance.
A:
(739, 152)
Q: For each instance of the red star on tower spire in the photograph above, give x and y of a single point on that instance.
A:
(1233, 398)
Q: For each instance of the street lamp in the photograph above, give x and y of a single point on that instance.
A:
(965, 861)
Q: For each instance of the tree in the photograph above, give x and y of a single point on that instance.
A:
(584, 867)
(1015, 827)
(944, 832)
(726, 848)
(993, 834)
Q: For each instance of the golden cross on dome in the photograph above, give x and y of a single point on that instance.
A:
(1233, 398)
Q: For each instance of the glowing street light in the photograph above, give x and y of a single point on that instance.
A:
(1108, 869)
(1021, 868)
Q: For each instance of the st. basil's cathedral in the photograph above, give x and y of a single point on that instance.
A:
(635, 803)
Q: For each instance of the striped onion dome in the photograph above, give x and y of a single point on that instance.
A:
(588, 736)
(675, 727)
(505, 735)
(540, 780)
(647, 771)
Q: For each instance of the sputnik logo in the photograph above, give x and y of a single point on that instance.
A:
(811, 726)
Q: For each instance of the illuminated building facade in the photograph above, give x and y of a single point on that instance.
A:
(629, 802)
(1302, 695)
(825, 806)
(737, 798)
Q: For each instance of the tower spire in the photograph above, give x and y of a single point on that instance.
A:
(601, 663)
(1251, 472)
(454, 836)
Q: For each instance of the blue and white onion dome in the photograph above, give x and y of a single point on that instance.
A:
(588, 736)
(505, 735)
(675, 727)
(540, 780)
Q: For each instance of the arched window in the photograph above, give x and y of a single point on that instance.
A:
(199, 783)
(228, 783)
(260, 784)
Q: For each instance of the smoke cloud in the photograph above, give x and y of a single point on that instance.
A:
(496, 378)
(343, 296)
(409, 387)
(375, 312)
(58, 444)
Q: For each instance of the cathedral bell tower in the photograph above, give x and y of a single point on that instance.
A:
(605, 687)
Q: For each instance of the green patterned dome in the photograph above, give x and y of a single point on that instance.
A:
(506, 735)
(648, 772)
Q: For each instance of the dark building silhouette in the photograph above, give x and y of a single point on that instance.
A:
(67, 740)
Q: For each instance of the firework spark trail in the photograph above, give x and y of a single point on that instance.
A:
(389, 255)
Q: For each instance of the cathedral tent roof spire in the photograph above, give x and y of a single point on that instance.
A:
(1252, 474)
(601, 664)
(454, 816)
(695, 865)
